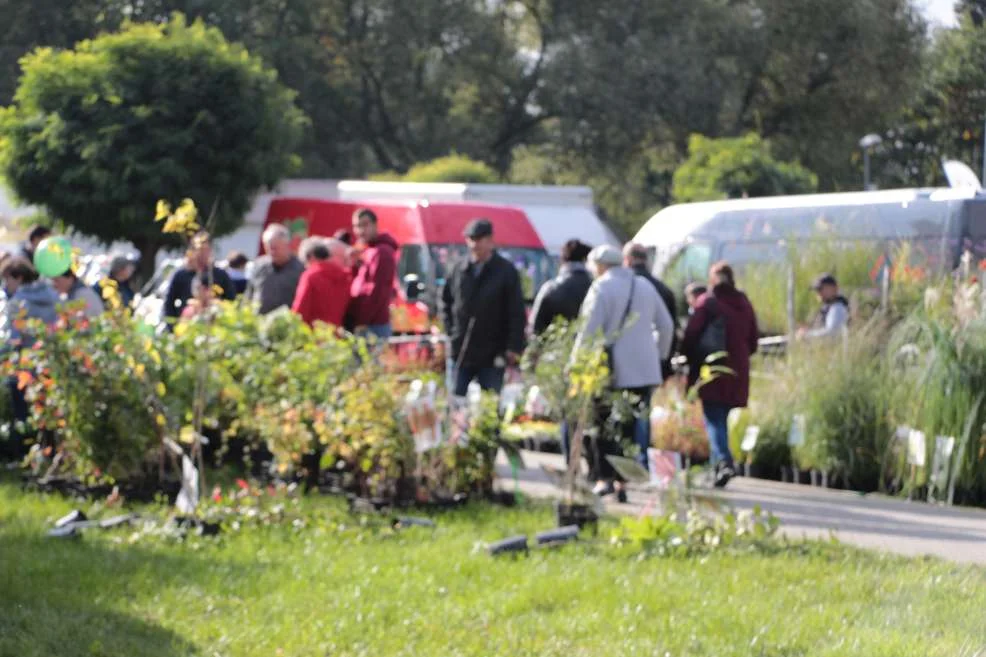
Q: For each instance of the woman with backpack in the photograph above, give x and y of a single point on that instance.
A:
(722, 331)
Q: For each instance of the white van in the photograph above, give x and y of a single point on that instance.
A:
(939, 224)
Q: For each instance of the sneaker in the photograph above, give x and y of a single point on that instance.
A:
(603, 488)
(724, 472)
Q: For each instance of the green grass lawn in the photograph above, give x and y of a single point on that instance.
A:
(331, 590)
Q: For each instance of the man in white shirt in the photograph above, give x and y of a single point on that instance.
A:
(832, 319)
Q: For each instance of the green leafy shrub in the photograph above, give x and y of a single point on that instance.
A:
(449, 169)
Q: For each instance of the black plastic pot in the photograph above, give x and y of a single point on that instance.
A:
(580, 515)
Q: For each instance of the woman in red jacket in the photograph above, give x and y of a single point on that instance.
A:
(722, 307)
(323, 291)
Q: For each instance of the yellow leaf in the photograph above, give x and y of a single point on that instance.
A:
(187, 435)
(139, 370)
(161, 390)
(162, 211)
(155, 356)
(161, 420)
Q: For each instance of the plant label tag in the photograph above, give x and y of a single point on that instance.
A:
(916, 449)
(942, 460)
(903, 433)
(750, 438)
(796, 437)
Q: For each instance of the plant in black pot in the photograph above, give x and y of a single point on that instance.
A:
(570, 381)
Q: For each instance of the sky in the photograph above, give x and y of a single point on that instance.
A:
(941, 12)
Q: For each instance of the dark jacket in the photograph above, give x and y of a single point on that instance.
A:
(123, 289)
(667, 296)
(373, 288)
(742, 334)
(562, 296)
(493, 303)
(180, 289)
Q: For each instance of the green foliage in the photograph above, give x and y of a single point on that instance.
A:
(843, 391)
(737, 168)
(939, 361)
(449, 169)
(104, 595)
(698, 533)
(98, 134)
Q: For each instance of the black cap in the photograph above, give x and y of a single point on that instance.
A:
(478, 229)
(823, 280)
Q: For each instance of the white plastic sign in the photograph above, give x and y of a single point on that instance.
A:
(750, 438)
(916, 449)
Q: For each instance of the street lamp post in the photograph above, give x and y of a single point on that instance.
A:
(868, 143)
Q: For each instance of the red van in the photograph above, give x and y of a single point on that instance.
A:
(430, 239)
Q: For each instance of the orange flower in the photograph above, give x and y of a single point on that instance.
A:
(24, 379)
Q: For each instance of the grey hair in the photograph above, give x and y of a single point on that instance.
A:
(276, 232)
(308, 245)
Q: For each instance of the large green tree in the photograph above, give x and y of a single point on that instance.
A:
(97, 134)
(740, 167)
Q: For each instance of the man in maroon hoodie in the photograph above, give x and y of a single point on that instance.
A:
(373, 286)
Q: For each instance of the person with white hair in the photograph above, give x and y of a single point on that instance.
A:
(323, 291)
(626, 313)
(276, 274)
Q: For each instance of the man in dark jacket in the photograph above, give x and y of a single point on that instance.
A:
(832, 319)
(198, 263)
(635, 257)
(373, 286)
(563, 295)
(483, 309)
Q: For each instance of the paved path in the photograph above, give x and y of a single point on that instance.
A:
(871, 521)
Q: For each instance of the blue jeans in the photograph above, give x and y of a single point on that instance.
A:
(641, 437)
(379, 331)
(717, 425)
(489, 378)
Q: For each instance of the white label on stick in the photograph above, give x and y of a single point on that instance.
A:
(750, 438)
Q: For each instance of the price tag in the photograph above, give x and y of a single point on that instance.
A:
(750, 438)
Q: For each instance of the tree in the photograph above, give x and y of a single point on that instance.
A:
(98, 134)
(737, 168)
(449, 169)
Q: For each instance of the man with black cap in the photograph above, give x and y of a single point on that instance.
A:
(483, 309)
(832, 319)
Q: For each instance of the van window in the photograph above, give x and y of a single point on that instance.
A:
(412, 261)
(689, 265)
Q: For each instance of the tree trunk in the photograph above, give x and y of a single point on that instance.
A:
(148, 248)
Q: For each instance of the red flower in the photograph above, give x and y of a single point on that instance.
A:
(982, 265)
(217, 494)
(242, 484)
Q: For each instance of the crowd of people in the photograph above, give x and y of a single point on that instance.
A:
(341, 281)
(348, 281)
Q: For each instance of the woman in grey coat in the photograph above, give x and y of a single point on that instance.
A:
(628, 312)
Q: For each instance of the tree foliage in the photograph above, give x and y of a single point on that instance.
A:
(604, 93)
(448, 169)
(98, 134)
(737, 167)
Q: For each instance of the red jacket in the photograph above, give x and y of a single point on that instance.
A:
(373, 288)
(741, 342)
(323, 293)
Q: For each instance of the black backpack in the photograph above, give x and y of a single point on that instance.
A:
(713, 337)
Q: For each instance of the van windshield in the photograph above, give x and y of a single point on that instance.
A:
(534, 265)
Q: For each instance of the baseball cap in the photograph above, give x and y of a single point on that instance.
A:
(606, 255)
(823, 280)
(478, 229)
